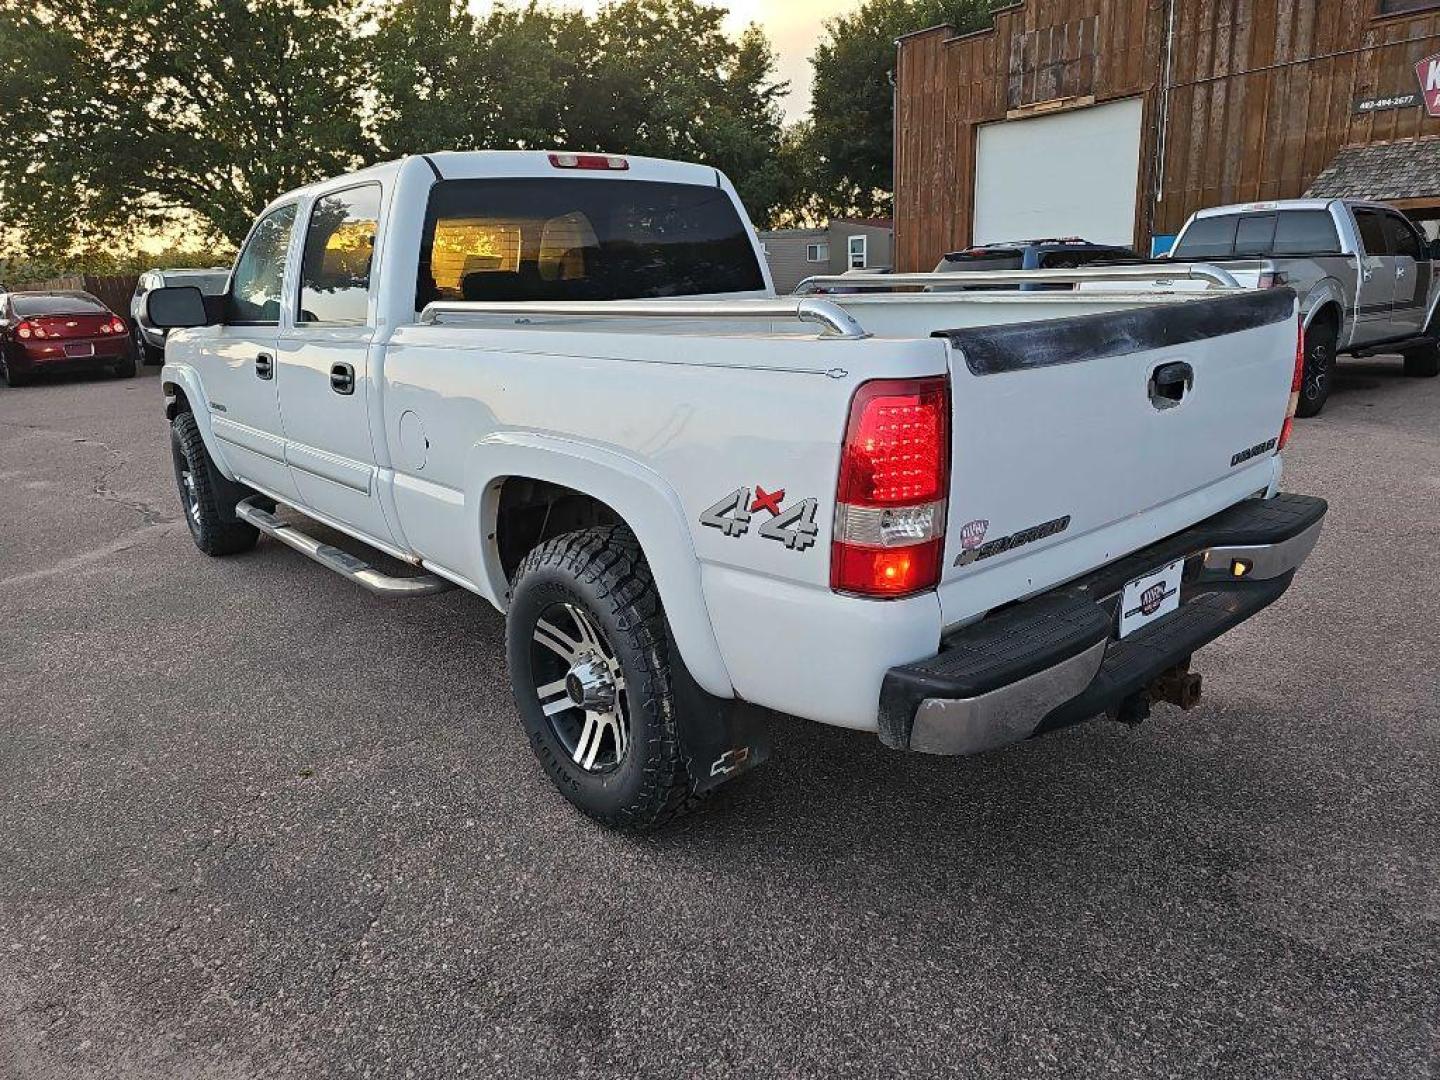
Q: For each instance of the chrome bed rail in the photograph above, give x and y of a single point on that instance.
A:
(1074, 276)
(835, 322)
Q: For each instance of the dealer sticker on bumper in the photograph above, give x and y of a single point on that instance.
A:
(1151, 597)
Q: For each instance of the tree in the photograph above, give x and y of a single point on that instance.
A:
(852, 105)
(444, 80)
(126, 115)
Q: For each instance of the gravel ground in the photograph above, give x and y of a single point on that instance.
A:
(257, 823)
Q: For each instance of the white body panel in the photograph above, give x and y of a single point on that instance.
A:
(1071, 174)
(659, 418)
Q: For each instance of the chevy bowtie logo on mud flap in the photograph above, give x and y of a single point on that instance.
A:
(730, 761)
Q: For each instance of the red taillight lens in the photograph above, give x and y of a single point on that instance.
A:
(117, 326)
(1297, 382)
(603, 162)
(1274, 279)
(894, 476)
(26, 330)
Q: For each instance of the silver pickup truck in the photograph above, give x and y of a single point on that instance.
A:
(1362, 270)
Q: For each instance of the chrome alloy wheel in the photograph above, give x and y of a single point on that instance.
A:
(190, 495)
(581, 687)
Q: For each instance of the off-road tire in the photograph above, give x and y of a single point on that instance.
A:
(603, 571)
(211, 516)
(1320, 343)
(1422, 362)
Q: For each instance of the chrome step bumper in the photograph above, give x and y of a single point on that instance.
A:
(1054, 660)
(332, 558)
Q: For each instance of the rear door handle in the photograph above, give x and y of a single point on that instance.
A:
(342, 378)
(264, 366)
(1169, 383)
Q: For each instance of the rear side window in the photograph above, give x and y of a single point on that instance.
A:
(254, 296)
(1372, 231)
(993, 259)
(1306, 232)
(57, 304)
(581, 239)
(1209, 237)
(339, 250)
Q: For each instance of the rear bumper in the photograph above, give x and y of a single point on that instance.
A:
(1054, 660)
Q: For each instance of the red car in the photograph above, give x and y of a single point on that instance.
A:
(61, 331)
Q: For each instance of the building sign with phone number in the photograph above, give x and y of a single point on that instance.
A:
(1427, 71)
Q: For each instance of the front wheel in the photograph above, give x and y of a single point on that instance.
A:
(586, 642)
(1319, 369)
(208, 498)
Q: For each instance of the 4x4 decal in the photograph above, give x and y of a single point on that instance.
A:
(792, 526)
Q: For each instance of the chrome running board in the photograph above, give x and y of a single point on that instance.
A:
(332, 558)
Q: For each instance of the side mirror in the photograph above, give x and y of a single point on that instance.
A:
(176, 306)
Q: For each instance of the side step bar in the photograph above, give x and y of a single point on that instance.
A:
(332, 558)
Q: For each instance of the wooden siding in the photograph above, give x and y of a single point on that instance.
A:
(1261, 97)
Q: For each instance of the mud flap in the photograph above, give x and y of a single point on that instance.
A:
(722, 737)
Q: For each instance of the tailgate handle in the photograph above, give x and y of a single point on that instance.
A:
(1169, 383)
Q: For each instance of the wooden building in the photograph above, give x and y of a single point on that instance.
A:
(1083, 117)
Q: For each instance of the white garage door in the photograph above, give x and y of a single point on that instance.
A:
(1071, 174)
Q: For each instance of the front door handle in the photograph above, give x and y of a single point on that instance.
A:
(342, 378)
(264, 366)
(1169, 383)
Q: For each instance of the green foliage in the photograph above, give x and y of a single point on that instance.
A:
(17, 270)
(852, 110)
(143, 113)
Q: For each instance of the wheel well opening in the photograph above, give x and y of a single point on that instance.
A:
(175, 400)
(1327, 316)
(533, 511)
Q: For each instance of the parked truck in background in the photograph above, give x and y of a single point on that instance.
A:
(1362, 270)
(564, 382)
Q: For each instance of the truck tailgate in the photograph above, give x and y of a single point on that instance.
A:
(1077, 441)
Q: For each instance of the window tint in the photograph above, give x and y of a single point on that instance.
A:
(1372, 232)
(1306, 232)
(1403, 241)
(57, 304)
(339, 246)
(993, 259)
(1255, 235)
(254, 295)
(573, 239)
(1208, 237)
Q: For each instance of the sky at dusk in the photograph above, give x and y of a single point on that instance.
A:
(793, 27)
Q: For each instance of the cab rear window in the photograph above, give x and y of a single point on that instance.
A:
(581, 239)
(1259, 234)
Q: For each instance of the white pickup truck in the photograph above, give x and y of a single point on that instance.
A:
(565, 383)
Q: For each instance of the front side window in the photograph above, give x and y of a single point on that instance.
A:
(1208, 237)
(1403, 241)
(1372, 232)
(858, 247)
(581, 239)
(339, 250)
(254, 296)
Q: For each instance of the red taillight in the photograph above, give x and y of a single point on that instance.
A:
(114, 326)
(894, 476)
(28, 329)
(1297, 382)
(1274, 279)
(604, 162)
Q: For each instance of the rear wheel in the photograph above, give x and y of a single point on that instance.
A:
(1319, 368)
(9, 377)
(1423, 362)
(586, 643)
(125, 367)
(208, 498)
(146, 352)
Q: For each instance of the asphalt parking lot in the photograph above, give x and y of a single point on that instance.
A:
(257, 823)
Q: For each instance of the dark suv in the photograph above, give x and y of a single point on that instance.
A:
(1056, 254)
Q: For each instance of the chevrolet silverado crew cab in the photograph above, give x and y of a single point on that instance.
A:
(1362, 270)
(564, 382)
